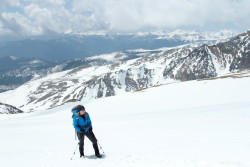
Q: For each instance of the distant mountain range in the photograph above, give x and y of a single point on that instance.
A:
(15, 71)
(24, 60)
(66, 47)
(71, 47)
(111, 74)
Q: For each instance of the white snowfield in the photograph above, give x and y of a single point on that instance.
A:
(189, 124)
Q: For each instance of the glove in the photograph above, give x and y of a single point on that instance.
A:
(89, 130)
(83, 130)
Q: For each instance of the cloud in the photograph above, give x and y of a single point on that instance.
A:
(59, 16)
(10, 25)
(125, 14)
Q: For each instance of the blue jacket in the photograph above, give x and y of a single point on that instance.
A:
(82, 124)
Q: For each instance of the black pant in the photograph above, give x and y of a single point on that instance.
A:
(90, 135)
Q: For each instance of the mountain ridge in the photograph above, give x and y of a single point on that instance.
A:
(86, 83)
(9, 109)
(16, 70)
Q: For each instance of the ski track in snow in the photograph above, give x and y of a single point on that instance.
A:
(189, 124)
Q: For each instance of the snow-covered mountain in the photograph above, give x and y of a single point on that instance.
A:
(179, 34)
(15, 71)
(86, 82)
(212, 60)
(192, 36)
(8, 109)
(188, 124)
(23, 60)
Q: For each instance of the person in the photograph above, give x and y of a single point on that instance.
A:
(83, 127)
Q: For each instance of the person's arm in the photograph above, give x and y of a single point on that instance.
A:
(75, 124)
(89, 123)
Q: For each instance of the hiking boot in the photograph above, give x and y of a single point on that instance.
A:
(97, 153)
(81, 153)
(99, 156)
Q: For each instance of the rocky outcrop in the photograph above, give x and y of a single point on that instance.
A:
(8, 109)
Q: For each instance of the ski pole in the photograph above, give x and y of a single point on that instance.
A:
(74, 152)
(100, 147)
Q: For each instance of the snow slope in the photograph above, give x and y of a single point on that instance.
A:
(188, 124)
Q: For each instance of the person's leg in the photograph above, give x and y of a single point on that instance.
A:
(81, 143)
(93, 139)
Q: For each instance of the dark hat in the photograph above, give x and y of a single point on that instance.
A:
(80, 107)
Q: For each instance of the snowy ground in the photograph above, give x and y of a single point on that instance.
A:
(189, 124)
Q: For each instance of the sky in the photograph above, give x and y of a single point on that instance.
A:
(36, 17)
